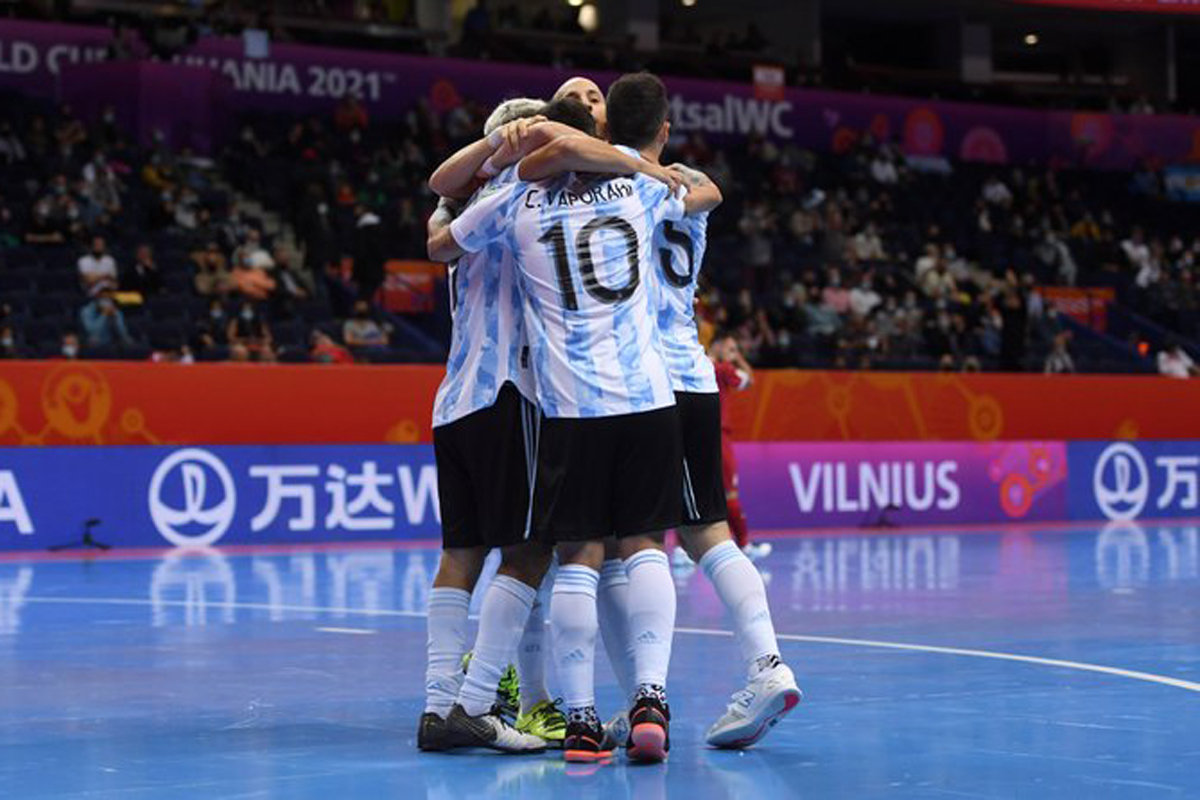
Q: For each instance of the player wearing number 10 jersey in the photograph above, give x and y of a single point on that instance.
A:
(609, 441)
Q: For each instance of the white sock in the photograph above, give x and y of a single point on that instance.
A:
(573, 626)
(741, 589)
(651, 614)
(531, 658)
(502, 617)
(446, 645)
(612, 606)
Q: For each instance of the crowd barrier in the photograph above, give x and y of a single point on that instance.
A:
(197, 455)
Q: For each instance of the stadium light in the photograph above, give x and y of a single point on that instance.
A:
(1031, 39)
(589, 18)
(575, 3)
(688, 3)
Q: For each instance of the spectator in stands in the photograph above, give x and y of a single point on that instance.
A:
(142, 276)
(1137, 252)
(361, 331)
(249, 331)
(863, 297)
(1059, 360)
(938, 283)
(9, 348)
(868, 246)
(252, 276)
(368, 252)
(757, 226)
(997, 193)
(350, 114)
(1013, 332)
(68, 347)
(104, 323)
(292, 285)
(883, 169)
(12, 150)
(324, 350)
(97, 268)
(1174, 362)
(212, 271)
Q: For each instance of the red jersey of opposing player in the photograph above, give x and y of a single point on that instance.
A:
(730, 379)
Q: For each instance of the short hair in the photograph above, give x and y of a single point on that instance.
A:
(637, 109)
(572, 113)
(509, 110)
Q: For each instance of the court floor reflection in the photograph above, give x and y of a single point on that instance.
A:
(299, 673)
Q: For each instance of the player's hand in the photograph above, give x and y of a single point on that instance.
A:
(513, 134)
(672, 179)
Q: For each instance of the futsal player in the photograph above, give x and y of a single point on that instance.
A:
(609, 436)
(734, 374)
(636, 113)
(483, 427)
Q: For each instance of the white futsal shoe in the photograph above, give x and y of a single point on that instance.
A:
(757, 550)
(753, 711)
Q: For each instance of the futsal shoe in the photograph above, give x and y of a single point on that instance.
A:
(431, 733)
(508, 691)
(583, 744)
(616, 732)
(753, 711)
(545, 721)
(649, 731)
(680, 558)
(488, 730)
(756, 550)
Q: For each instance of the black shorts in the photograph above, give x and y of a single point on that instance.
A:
(703, 480)
(484, 463)
(608, 476)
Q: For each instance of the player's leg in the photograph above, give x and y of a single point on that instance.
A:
(573, 628)
(463, 555)
(446, 641)
(571, 507)
(497, 466)
(503, 615)
(771, 690)
(612, 604)
(733, 501)
(652, 458)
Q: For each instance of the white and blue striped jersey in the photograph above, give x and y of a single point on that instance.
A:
(679, 252)
(488, 338)
(584, 245)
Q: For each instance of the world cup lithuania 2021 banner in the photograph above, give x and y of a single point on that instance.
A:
(52, 61)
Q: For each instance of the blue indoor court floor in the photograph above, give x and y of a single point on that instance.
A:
(1014, 662)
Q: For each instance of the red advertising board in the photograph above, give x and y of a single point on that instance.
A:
(83, 403)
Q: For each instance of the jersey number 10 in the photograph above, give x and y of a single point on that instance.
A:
(556, 240)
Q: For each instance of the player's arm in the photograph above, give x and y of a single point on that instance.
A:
(438, 230)
(586, 154)
(455, 177)
(480, 223)
(703, 195)
(539, 135)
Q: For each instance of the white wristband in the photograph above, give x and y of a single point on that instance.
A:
(496, 138)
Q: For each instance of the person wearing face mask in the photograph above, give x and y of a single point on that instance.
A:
(97, 269)
(249, 330)
(103, 322)
(361, 331)
(69, 347)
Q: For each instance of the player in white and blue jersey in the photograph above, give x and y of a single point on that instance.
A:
(632, 112)
(483, 423)
(609, 440)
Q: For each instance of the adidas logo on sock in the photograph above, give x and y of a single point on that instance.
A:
(647, 637)
(576, 656)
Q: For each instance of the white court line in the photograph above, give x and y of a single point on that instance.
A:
(359, 631)
(1147, 677)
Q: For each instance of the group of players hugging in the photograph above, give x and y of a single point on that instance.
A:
(579, 420)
